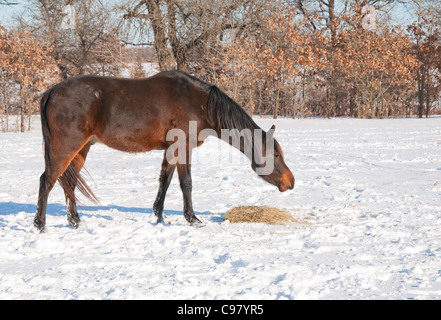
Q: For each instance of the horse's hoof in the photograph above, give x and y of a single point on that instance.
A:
(40, 226)
(163, 222)
(195, 222)
(74, 223)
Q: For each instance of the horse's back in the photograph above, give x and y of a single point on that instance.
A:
(132, 115)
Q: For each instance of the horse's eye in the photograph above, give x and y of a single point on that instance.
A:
(276, 155)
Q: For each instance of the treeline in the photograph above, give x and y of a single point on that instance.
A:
(44, 47)
(287, 67)
(26, 67)
(292, 58)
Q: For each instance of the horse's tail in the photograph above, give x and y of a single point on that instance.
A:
(71, 178)
(45, 126)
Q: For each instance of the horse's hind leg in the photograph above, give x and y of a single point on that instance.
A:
(57, 162)
(45, 187)
(76, 164)
(167, 171)
(53, 171)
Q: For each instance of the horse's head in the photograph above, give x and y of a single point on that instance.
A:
(273, 168)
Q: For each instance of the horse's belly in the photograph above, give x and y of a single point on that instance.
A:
(132, 142)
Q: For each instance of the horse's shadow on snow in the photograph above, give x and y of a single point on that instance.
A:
(104, 212)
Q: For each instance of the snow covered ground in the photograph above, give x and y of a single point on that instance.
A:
(367, 198)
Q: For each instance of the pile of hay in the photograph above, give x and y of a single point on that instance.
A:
(260, 214)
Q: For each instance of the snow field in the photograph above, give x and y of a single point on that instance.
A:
(368, 195)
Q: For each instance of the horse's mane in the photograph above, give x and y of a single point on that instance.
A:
(225, 113)
(222, 111)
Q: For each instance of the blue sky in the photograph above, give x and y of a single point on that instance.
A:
(401, 14)
(7, 11)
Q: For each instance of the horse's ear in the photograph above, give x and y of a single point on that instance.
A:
(271, 131)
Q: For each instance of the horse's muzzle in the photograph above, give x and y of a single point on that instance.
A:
(287, 182)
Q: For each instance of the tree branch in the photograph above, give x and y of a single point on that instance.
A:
(135, 44)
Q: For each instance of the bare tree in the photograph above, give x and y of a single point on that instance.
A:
(179, 26)
(428, 5)
(88, 46)
(330, 18)
(426, 38)
(7, 3)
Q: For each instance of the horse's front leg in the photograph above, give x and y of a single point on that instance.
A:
(184, 171)
(165, 177)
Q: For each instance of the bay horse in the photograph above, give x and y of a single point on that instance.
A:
(135, 115)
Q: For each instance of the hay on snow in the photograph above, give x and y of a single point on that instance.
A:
(259, 214)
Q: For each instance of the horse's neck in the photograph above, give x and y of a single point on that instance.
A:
(246, 140)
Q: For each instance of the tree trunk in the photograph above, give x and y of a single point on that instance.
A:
(276, 107)
(332, 23)
(22, 110)
(179, 50)
(160, 39)
(420, 80)
(427, 96)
